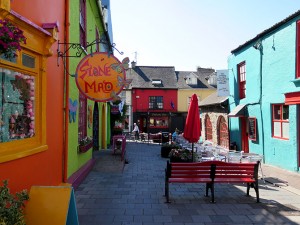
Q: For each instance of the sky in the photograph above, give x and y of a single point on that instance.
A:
(191, 33)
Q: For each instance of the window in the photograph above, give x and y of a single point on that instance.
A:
(22, 98)
(242, 79)
(208, 128)
(223, 139)
(156, 102)
(298, 50)
(158, 122)
(280, 121)
(82, 117)
(82, 23)
(17, 106)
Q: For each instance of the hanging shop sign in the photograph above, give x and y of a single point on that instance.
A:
(101, 76)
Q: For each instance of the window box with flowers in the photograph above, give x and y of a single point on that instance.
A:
(85, 144)
(11, 38)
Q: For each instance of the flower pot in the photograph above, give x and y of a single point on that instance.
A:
(85, 148)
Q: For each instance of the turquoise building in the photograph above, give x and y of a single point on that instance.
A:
(264, 81)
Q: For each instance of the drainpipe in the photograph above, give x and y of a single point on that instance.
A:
(66, 95)
(258, 46)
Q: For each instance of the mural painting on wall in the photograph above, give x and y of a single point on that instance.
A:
(101, 76)
(17, 117)
(72, 110)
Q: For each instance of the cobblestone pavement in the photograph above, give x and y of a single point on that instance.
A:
(135, 196)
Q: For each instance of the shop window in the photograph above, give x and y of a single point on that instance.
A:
(22, 99)
(156, 102)
(280, 121)
(17, 105)
(208, 128)
(158, 122)
(242, 79)
(223, 139)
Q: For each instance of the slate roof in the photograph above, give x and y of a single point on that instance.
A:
(213, 99)
(142, 77)
(202, 81)
(267, 31)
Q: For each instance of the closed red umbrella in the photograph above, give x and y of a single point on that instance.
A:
(192, 129)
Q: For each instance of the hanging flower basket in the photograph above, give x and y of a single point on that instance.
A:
(11, 38)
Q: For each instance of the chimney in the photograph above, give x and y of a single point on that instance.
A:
(133, 64)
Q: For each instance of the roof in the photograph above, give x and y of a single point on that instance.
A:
(213, 99)
(144, 75)
(267, 31)
(149, 77)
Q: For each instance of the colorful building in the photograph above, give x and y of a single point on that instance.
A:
(32, 97)
(264, 94)
(88, 126)
(160, 96)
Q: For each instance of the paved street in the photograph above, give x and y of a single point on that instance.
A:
(134, 195)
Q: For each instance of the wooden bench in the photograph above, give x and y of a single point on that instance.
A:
(211, 172)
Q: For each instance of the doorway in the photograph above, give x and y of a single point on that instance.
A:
(244, 135)
(96, 127)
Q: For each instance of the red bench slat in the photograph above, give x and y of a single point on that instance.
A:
(211, 172)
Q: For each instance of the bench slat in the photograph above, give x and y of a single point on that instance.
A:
(189, 180)
(211, 172)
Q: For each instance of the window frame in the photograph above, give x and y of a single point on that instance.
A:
(241, 68)
(281, 121)
(20, 148)
(157, 101)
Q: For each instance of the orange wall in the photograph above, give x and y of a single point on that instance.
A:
(45, 168)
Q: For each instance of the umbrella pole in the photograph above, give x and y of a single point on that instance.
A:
(193, 152)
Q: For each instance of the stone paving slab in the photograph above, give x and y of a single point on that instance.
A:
(134, 196)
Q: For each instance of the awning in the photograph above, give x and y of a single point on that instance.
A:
(239, 111)
(292, 98)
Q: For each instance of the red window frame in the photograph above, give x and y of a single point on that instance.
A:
(208, 128)
(242, 79)
(298, 49)
(281, 120)
(82, 117)
(223, 137)
(82, 23)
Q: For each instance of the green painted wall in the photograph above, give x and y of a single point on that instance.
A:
(77, 160)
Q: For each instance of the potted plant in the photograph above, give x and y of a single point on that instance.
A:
(11, 38)
(167, 147)
(85, 144)
(12, 206)
(182, 155)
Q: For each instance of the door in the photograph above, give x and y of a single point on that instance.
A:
(244, 135)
